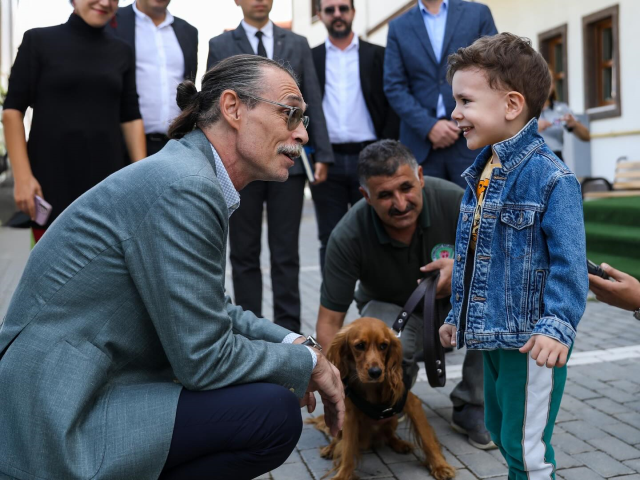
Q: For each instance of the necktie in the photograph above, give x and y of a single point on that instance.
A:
(261, 50)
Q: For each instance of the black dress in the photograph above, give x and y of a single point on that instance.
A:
(80, 81)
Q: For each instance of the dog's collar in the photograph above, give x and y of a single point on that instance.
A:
(378, 412)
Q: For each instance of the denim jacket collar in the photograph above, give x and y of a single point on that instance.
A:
(511, 152)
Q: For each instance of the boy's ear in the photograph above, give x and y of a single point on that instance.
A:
(516, 104)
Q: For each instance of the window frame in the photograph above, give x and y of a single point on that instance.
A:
(546, 40)
(592, 25)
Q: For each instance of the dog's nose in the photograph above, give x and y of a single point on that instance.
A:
(375, 372)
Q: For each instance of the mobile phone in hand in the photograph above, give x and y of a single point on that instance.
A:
(43, 210)
(594, 269)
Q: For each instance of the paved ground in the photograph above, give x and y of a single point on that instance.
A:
(597, 433)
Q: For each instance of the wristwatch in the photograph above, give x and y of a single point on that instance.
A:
(636, 314)
(311, 342)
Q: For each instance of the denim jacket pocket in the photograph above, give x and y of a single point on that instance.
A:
(536, 304)
(517, 218)
(516, 234)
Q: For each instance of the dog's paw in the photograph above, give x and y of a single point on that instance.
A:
(400, 446)
(327, 452)
(443, 472)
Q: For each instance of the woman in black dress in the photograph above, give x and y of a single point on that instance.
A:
(80, 81)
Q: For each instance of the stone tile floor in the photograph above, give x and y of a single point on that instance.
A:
(597, 433)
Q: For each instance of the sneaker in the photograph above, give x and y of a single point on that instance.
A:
(469, 421)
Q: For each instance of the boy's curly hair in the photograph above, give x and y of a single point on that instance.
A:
(510, 63)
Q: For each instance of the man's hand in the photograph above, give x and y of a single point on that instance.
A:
(321, 172)
(546, 351)
(445, 265)
(325, 379)
(623, 293)
(570, 121)
(448, 335)
(543, 125)
(443, 134)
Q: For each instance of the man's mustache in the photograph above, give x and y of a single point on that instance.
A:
(394, 212)
(292, 151)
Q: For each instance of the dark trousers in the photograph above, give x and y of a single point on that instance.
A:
(236, 432)
(284, 212)
(333, 198)
(155, 143)
(449, 163)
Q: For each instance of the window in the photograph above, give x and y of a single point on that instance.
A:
(553, 47)
(602, 64)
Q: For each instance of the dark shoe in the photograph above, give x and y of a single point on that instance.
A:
(470, 422)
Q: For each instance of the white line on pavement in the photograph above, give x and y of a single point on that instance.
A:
(577, 358)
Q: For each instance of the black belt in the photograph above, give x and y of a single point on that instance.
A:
(433, 349)
(157, 137)
(350, 148)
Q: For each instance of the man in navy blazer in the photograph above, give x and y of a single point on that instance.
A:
(415, 68)
(166, 52)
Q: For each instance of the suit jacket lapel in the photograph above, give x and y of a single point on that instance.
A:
(183, 40)
(242, 42)
(453, 17)
(280, 45)
(126, 26)
(321, 71)
(417, 22)
(365, 55)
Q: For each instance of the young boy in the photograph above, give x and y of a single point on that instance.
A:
(520, 280)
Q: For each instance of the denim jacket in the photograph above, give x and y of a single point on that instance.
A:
(529, 273)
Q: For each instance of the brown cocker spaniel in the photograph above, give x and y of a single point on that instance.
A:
(369, 357)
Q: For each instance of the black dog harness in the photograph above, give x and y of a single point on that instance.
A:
(378, 412)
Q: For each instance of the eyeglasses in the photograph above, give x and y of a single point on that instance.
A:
(295, 115)
(331, 10)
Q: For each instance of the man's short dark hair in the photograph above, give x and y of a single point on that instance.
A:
(319, 5)
(509, 62)
(383, 158)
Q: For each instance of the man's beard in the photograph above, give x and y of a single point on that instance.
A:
(340, 33)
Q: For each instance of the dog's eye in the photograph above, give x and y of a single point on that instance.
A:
(360, 346)
(383, 346)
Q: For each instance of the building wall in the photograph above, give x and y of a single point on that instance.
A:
(528, 18)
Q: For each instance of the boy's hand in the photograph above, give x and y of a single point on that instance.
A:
(448, 335)
(545, 351)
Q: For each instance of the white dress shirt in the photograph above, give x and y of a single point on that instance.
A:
(159, 71)
(267, 38)
(346, 113)
(436, 26)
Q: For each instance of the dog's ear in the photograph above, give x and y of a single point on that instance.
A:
(394, 366)
(339, 352)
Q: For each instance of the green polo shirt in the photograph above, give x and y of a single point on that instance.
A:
(360, 249)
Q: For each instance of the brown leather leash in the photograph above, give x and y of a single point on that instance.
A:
(433, 349)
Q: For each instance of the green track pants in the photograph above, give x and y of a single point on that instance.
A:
(521, 405)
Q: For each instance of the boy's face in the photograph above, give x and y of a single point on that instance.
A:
(481, 111)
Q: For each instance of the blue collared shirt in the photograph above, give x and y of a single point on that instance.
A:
(231, 195)
(436, 26)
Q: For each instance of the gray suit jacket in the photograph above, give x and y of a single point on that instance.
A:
(293, 49)
(121, 304)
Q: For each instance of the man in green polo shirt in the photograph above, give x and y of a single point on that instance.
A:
(405, 227)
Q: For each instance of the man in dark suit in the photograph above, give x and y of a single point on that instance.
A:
(415, 69)
(257, 35)
(166, 51)
(355, 107)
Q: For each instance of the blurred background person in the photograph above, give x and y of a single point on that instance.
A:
(623, 293)
(257, 35)
(415, 69)
(80, 82)
(350, 72)
(166, 53)
(555, 118)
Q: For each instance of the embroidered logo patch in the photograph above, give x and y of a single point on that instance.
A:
(442, 250)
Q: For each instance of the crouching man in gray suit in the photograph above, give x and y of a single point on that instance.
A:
(120, 355)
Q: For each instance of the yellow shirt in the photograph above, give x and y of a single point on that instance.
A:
(481, 190)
